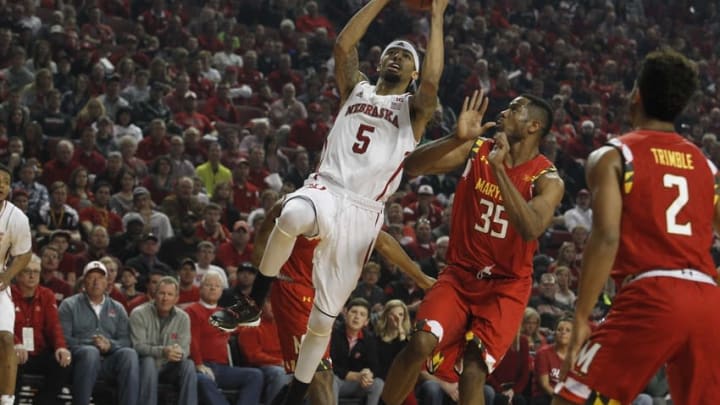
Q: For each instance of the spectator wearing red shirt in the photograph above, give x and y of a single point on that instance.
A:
(512, 374)
(208, 39)
(49, 264)
(548, 361)
(585, 142)
(189, 292)
(155, 20)
(312, 20)
(99, 213)
(310, 133)
(60, 168)
(155, 143)
(288, 109)
(236, 250)
(209, 351)
(210, 228)
(175, 99)
(111, 265)
(203, 87)
(258, 171)
(249, 73)
(284, 74)
(424, 207)
(221, 110)
(87, 155)
(246, 196)
(189, 117)
(43, 351)
(261, 348)
(68, 268)
(423, 247)
(94, 31)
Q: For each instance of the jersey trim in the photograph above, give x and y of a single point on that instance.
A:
(390, 180)
(628, 170)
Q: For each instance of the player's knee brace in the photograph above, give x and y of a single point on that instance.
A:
(297, 218)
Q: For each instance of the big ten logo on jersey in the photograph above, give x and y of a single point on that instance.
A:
(585, 356)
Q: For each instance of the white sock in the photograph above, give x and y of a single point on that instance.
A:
(313, 345)
(7, 399)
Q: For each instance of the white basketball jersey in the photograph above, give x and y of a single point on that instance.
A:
(15, 237)
(365, 149)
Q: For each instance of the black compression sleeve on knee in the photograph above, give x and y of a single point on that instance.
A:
(260, 289)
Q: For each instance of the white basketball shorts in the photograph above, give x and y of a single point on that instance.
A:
(7, 311)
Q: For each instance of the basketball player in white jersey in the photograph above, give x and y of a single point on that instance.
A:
(15, 243)
(361, 166)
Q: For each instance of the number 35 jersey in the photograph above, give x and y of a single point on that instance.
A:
(365, 149)
(481, 235)
(669, 193)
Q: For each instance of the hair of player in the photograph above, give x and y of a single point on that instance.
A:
(541, 110)
(666, 81)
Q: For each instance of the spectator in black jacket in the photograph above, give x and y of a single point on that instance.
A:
(353, 350)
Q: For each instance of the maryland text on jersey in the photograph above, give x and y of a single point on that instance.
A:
(373, 111)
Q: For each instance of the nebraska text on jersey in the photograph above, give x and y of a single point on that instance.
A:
(374, 111)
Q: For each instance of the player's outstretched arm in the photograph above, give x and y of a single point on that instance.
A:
(345, 52)
(392, 251)
(263, 233)
(425, 100)
(604, 168)
(448, 153)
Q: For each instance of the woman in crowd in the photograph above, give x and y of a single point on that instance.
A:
(548, 362)
(531, 330)
(79, 194)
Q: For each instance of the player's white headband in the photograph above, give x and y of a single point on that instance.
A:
(406, 46)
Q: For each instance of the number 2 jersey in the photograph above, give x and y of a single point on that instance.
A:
(365, 149)
(669, 193)
(481, 236)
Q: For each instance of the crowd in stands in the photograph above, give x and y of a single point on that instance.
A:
(152, 136)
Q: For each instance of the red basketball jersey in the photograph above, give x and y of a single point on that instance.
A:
(300, 264)
(669, 196)
(481, 234)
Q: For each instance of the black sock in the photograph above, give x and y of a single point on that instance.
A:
(296, 393)
(260, 288)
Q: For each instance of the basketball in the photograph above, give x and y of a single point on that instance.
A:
(419, 4)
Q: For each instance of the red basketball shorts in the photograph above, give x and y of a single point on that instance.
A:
(653, 321)
(461, 307)
(291, 303)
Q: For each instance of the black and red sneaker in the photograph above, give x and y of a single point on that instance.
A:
(243, 313)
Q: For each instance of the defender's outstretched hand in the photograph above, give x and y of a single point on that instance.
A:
(469, 123)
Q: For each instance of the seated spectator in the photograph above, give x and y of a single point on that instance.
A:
(150, 287)
(79, 194)
(236, 250)
(423, 246)
(185, 241)
(209, 351)
(223, 196)
(246, 195)
(155, 221)
(395, 217)
(213, 172)
(300, 169)
(424, 207)
(122, 201)
(99, 212)
(581, 213)
(190, 117)
(310, 132)
(260, 347)
(353, 350)
(567, 257)
(111, 264)
(512, 374)
(182, 202)
(160, 334)
(547, 306)
(97, 333)
(288, 109)
(393, 330)
(189, 292)
(69, 268)
(433, 265)
(128, 281)
(406, 290)
(147, 261)
(88, 153)
(548, 362)
(60, 168)
(564, 295)
(37, 193)
(128, 149)
(56, 214)
(156, 142)
(43, 351)
(160, 181)
(205, 258)
(181, 166)
(368, 288)
(152, 108)
(125, 245)
(531, 330)
(124, 125)
(49, 264)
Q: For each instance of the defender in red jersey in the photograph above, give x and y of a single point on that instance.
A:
(654, 199)
(503, 202)
(292, 295)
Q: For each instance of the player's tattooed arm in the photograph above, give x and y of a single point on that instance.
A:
(345, 53)
(393, 252)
